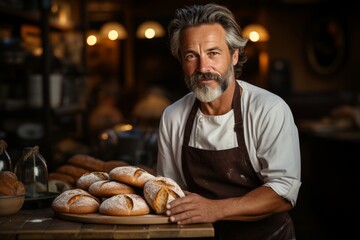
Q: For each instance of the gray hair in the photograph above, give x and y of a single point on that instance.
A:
(196, 15)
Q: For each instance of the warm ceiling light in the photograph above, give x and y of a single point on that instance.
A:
(92, 38)
(150, 29)
(256, 33)
(113, 31)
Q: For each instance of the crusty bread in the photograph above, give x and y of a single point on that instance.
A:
(63, 177)
(159, 191)
(110, 165)
(9, 184)
(131, 175)
(87, 162)
(75, 201)
(124, 205)
(75, 172)
(109, 188)
(87, 179)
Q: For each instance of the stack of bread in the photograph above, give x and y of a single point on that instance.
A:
(10, 185)
(66, 176)
(123, 191)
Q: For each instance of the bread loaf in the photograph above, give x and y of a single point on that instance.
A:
(124, 205)
(131, 175)
(75, 172)
(58, 186)
(87, 179)
(108, 188)
(87, 162)
(9, 184)
(110, 165)
(63, 177)
(160, 191)
(75, 201)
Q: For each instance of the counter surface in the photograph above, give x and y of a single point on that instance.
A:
(43, 224)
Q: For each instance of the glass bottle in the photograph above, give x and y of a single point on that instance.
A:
(5, 160)
(32, 170)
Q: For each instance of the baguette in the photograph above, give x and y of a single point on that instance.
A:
(160, 191)
(76, 201)
(75, 172)
(124, 205)
(131, 175)
(62, 177)
(109, 188)
(87, 162)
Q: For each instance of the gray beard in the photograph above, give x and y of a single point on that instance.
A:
(205, 93)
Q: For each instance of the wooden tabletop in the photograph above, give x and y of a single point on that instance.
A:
(44, 224)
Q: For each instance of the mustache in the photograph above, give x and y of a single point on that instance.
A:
(198, 76)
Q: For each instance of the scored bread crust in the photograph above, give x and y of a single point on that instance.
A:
(87, 179)
(132, 175)
(109, 188)
(160, 191)
(76, 201)
(124, 205)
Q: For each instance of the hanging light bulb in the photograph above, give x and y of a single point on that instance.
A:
(256, 33)
(150, 29)
(113, 31)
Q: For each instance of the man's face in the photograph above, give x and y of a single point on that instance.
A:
(206, 61)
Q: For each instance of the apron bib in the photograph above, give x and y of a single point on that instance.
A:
(229, 173)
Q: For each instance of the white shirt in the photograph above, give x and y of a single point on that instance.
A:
(271, 138)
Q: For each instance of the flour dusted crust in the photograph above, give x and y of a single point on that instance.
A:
(87, 179)
(132, 175)
(160, 191)
(75, 201)
(87, 162)
(124, 205)
(109, 188)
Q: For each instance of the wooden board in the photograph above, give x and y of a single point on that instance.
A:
(106, 219)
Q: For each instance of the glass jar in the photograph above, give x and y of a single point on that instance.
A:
(5, 160)
(31, 170)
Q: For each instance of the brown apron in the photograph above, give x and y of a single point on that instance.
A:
(229, 173)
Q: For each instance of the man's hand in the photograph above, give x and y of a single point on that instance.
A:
(192, 208)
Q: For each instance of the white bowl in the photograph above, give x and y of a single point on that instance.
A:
(10, 205)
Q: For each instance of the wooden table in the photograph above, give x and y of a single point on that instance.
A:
(43, 224)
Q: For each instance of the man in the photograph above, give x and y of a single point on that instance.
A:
(232, 146)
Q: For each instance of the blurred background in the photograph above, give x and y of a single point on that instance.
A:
(94, 76)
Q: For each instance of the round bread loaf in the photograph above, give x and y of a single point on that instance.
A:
(87, 179)
(8, 177)
(9, 184)
(62, 177)
(131, 175)
(87, 162)
(75, 201)
(75, 172)
(109, 188)
(160, 191)
(124, 205)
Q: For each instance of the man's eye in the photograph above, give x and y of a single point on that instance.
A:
(190, 57)
(213, 53)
